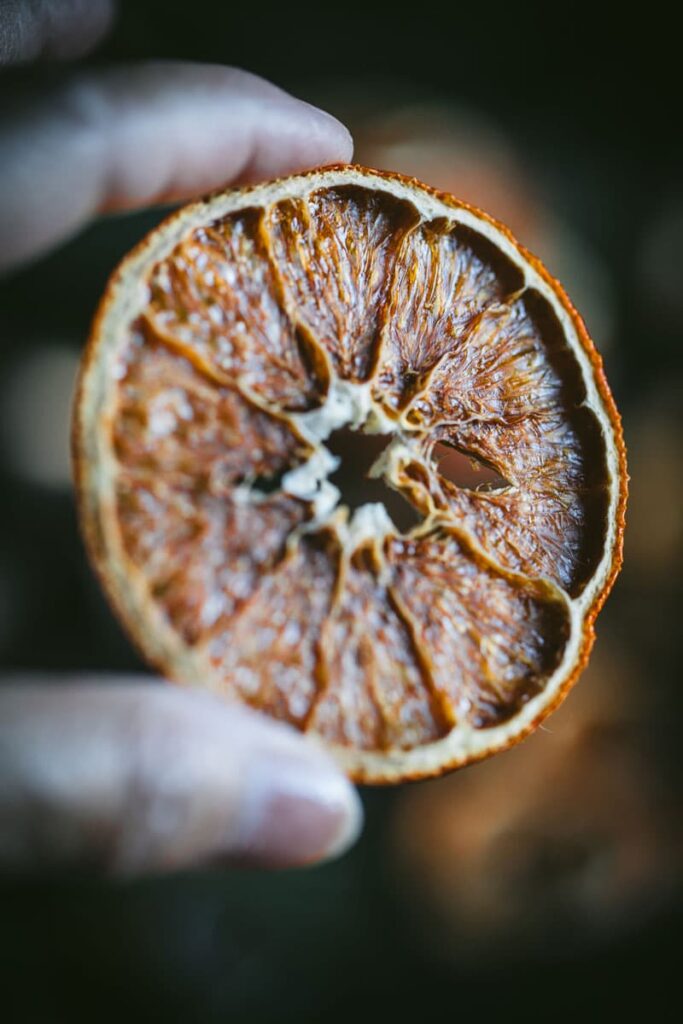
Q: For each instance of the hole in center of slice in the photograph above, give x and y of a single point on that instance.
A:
(357, 452)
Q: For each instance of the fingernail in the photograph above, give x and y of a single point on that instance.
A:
(297, 811)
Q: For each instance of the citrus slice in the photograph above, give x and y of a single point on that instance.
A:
(234, 348)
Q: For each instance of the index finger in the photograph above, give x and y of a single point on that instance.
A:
(155, 132)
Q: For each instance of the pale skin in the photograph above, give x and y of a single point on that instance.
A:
(129, 775)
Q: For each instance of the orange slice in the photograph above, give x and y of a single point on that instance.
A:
(233, 347)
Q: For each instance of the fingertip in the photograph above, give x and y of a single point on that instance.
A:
(336, 139)
(240, 789)
(319, 136)
(297, 810)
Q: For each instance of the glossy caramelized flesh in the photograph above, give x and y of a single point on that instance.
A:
(374, 640)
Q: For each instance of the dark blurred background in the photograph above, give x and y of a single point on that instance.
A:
(548, 881)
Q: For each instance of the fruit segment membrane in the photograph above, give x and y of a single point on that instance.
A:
(260, 333)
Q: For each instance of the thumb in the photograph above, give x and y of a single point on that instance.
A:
(135, 778)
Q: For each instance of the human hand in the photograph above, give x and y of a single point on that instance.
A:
(124, 776)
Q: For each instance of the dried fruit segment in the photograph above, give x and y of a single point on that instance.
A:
(491, 640)
(183, 446)
(174, 422)
(377, 696)
(217, 297)
(268, 653)
(510, 395)
(534, 528)
(236, 346)
(201, 558)
(335, 251)
(444, 277)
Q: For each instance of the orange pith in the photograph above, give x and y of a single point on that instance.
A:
(230, 345)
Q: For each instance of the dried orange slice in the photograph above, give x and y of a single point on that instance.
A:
(231, 345)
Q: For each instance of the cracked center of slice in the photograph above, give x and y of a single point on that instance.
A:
(253, 360)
